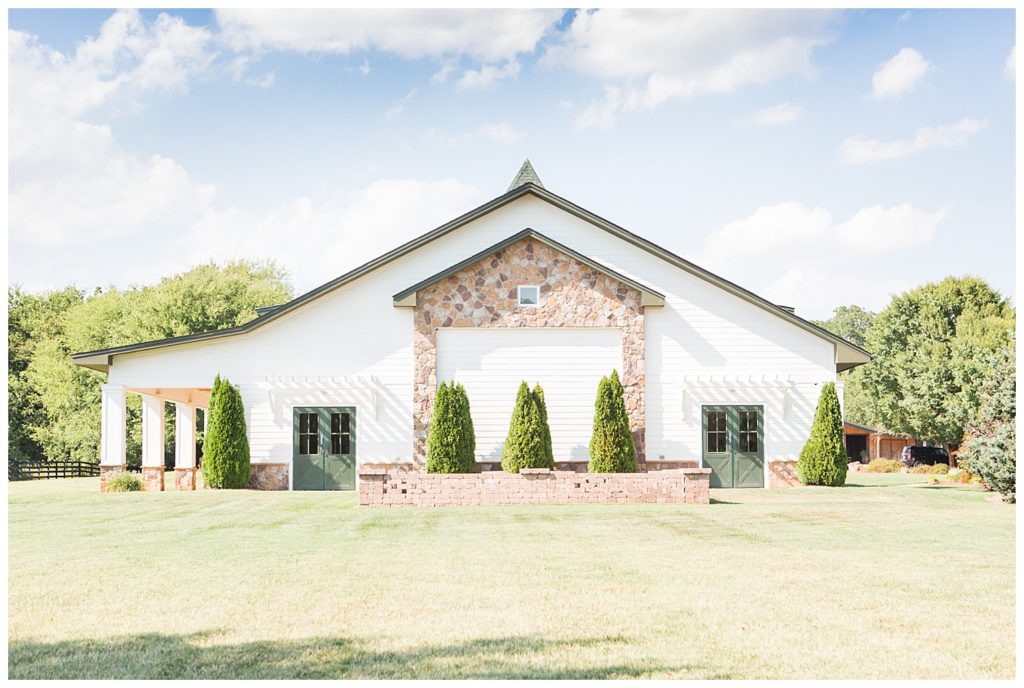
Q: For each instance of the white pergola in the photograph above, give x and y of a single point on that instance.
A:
(113, 445)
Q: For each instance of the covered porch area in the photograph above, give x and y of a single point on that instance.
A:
(113, 437)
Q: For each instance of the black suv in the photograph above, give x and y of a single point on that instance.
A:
(917, 456)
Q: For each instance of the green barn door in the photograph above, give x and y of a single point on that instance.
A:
(324, 452)
(734, 445)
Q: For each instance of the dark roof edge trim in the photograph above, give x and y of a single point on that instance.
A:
(518, 236)
(493, 204)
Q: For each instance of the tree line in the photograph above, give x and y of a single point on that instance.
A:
(54, 405)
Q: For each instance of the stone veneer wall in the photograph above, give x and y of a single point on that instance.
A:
(108, 472)
(153, 478)
(484, 295)
(783, 474)
(268, 476)
(395, 485)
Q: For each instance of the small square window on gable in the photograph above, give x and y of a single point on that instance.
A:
(528, 295)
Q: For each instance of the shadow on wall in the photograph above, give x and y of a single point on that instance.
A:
(383, 421)
(159, 656)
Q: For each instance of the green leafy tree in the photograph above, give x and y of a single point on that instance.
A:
(226, 446)
(542, 410)
(524, 445)
(61, 400)
(823, 459)
(451, 443)
(611, 443)
(852, 324)
(990, 451)
(32, 319)
(930, 349)
(849, 322)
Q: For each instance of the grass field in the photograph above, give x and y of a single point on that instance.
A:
(887, 577)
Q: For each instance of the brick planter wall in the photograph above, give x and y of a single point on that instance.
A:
(395, 485)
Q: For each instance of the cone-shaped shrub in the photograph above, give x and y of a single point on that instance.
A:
(611, 444)
(524, 446)
(823, 459)
(542, 409)
(450, 441)
(226, 445)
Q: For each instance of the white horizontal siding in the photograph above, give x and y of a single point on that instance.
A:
(355, 331)
(568, 363)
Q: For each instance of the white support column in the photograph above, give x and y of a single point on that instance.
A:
(152, 431)
(184, 435)
(113, 426)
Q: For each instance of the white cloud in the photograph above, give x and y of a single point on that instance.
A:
(878, 229)
(317, 241)
(238, 68)
(783, 113)
(486, 76)
(501, 133)
(447, 67)
(488, 36)
(815, 251)
(858, 149)
(364, 68)
(1010, 68)
(651, 56)
(399, 107)
(900, 74)
(70, 181)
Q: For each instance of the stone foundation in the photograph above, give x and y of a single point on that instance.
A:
(185, 479)
(395, 485)
(783, 474)
(152, 478)
(268, 476)
(108, 472)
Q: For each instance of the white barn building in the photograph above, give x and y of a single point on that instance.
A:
(528, 286)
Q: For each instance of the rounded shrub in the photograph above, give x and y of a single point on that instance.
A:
(451, 442)
(611, 443)
(883, 466)
(125, 482)
(226, 445)
(823, 459)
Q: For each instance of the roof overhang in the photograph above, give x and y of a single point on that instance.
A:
(648, 297)
(847, 355)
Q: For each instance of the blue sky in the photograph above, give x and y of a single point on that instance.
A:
(817, 158)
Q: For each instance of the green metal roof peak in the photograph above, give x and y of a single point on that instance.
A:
(526, 175)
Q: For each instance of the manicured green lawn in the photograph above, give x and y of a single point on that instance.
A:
(884, 578)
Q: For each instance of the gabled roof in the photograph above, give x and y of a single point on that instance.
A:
(853, 355)
(649, 297)
(526, 175)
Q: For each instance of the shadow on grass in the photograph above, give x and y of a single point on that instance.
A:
(159, 656)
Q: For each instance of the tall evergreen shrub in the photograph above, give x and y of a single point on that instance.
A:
(542, 409)
(823, 459)
(611, 444)
(226, 445)
(525, 445)
(451, 442)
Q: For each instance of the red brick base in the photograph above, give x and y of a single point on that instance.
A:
(783, 474)
(395, 485)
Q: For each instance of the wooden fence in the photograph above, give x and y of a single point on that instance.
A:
(41, 470)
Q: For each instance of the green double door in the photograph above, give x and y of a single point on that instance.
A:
(324, 448)
(734, 445)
